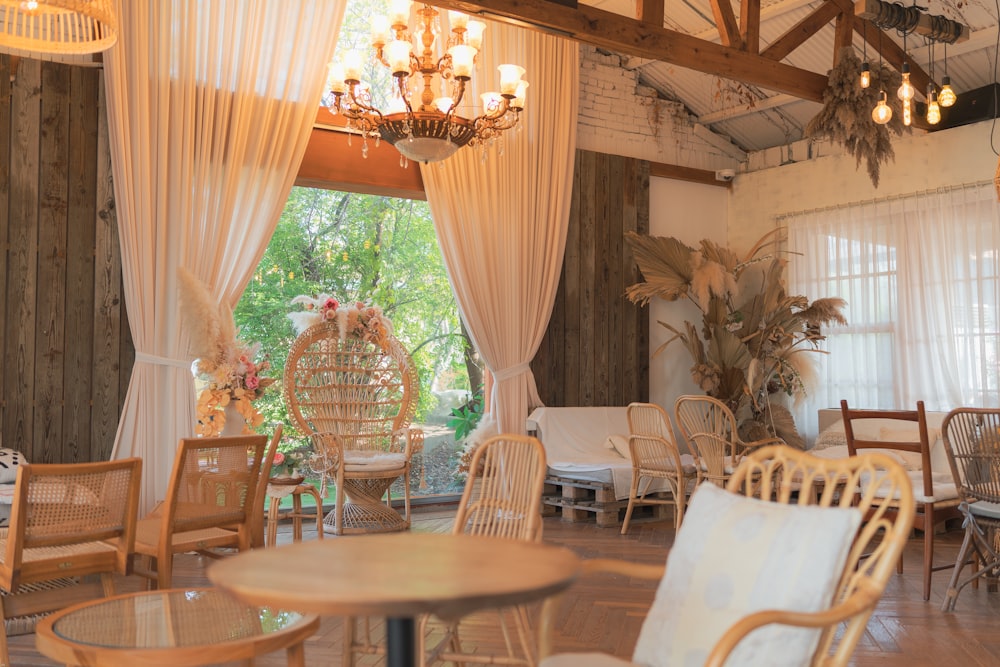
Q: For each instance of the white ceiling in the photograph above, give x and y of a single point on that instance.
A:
(755, 118)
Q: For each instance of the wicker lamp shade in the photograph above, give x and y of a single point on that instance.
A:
(41, 28)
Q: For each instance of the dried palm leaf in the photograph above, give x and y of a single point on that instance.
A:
(665, 264)
(825, 311)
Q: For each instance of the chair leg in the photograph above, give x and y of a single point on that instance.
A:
(633, 490)
(951, 595)
(406, 495)
(928, 549)
(4, 651)
(273, 510)
(164, 571)
(108, 584)
(347, 652)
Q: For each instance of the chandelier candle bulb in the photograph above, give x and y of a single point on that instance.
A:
(380, 31)
(493, 103)
(518, 101)
(509, 76)
(458, 21)
(337, 76)
(443, 104)
(462, 58)
(474, 34)
(397, 53)
(352, 66)
(399, 13)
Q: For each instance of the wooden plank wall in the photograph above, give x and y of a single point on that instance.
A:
(65, 350)
(596, 348)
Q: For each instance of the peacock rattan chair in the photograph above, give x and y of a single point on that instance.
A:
(655, 456)
(710, 429)
(67, 521)
(356, 397)
(972, 440)
(782, 476)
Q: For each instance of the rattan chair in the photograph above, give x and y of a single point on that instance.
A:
(502, 499)
(357, 398)
(209, 504)
(972, 441)
(937, 499)
(710, 429)
(655, 456)
(67, 521)
(788, 476)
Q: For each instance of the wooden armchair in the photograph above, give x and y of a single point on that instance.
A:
(67, 521)
(808, 576)
(356, 397)
(209, 504)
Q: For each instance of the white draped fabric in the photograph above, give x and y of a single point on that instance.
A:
(210, 107)
(920, 275)
(501, 223)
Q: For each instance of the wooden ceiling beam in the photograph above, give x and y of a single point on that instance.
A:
(843, 36)
(892, 53)
(725, 21)
(798, 34)
(650, 12)
(750, 25)
(632, 37)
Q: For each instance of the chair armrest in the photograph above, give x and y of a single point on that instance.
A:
(590, 566)
(862, 599)
(328, 452)
(412, 439)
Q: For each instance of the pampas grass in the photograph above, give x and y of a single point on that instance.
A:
(210, 324)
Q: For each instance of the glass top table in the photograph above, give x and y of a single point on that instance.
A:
(198, 626)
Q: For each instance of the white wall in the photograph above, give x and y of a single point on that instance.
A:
(924, 161)
(690, 212)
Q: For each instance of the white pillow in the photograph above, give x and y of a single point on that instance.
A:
(619, 443)
(10, 459)
(733, 556)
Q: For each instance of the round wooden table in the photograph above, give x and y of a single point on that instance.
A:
(201, 626)
(398, 576)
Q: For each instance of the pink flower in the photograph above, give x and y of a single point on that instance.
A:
(279, 458)
(330, 304)
(330, 314)
(253, 382)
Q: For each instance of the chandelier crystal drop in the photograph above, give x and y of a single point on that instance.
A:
(429, 76)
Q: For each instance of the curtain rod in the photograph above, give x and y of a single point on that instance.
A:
(882, 200)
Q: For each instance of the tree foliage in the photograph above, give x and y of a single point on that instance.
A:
(356, 247)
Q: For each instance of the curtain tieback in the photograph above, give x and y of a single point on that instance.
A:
(147, 358)
(513, 371)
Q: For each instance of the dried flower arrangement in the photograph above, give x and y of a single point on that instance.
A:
(230, 370)
(354, 320)
(752, 332)
(846, 116)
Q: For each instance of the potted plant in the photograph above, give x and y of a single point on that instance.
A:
(748, 346)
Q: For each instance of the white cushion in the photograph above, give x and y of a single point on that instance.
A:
(890, 430)
(733, 556)
(619, 443)
(942, 487)
(905, 459)
(727, 463)
(372, 461)
(10, 459)
(584, 660)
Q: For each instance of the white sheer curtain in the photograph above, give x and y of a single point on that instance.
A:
(501, 223)
(920, 275)
(210, 106)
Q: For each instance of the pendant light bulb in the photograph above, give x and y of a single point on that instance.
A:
(882, 113)
(947, 96)
(933, 110)
(866, 75)
(907, 112)
(906, 91)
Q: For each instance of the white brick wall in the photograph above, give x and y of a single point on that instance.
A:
(619, 116)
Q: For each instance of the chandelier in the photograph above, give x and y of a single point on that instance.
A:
(422, 124)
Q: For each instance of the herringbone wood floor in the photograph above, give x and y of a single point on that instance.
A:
(605, 613)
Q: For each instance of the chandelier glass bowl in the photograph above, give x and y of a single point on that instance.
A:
(429, 79)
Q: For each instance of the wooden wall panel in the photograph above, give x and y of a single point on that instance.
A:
(60, 269)
(596, 348)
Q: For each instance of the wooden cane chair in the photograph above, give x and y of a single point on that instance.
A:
(502, 499)
(784, 476)
(357, 398)
(937, 499)
(67, 521)
(209, 504)
(709, 427)
(972, 441)
(655, 456)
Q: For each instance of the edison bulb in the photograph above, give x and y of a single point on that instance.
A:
(882, 113)
(933, 109)
(906, 91)
(947, 96)
(866, 75)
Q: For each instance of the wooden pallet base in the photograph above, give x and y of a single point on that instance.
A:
(578, 501)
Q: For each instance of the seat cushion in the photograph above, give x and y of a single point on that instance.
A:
(687, 464)
(985, 509)
(733, 556)
(942, 487)
(372, 461)
(584, 660)
(728, 465)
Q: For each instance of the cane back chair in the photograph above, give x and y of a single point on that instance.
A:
(356, 397)
(695, 614)
(972, 441)
(655, 456)
(67, 521)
